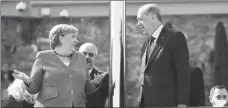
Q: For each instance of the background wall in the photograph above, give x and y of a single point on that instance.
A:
(199, 31)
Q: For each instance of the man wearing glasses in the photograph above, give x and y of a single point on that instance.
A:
(100, 96)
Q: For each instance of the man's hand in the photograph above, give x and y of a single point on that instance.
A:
(98, 78)
(181, 105)
(96, 75)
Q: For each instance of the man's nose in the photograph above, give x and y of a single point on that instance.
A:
(87, 56)
(75, 40)
(139, 24)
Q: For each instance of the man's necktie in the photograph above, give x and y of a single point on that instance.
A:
(150, 48)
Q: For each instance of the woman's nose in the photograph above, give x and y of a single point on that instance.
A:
(87, 56)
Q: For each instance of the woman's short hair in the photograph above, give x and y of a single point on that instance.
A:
(60, 30)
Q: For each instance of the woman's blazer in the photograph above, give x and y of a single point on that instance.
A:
(60, 85)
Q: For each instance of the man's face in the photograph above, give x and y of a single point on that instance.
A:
(145, 22)
(90, 55)
(219, 97)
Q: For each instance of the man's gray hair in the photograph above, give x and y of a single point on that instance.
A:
(152, 8)
(83, 46)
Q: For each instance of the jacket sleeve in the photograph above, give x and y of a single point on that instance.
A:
(105, 85)
(90, 85)
(36, 75)
(181, 62)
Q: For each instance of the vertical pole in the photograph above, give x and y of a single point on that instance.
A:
(117, 53)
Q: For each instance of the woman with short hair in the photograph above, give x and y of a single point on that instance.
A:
(60, 74)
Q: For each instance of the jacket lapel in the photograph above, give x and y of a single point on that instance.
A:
(157, 48)
(159, 44)
(93, 72)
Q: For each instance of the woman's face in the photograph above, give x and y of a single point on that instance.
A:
(69, 41)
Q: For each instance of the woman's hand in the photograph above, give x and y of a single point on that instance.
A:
(21, 75)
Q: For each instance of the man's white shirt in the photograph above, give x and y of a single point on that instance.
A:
(157, 33)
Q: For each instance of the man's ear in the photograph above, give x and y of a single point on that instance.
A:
(210, 99)
(61, 38)
(153, 16)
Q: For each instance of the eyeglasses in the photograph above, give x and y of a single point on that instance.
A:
(90, 54)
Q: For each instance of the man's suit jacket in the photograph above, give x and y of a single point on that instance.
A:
(60, 85)
(99, 97)
(165, 80)
(197, 94)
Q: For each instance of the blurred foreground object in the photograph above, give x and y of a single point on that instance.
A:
(220, 56)
(197, 94)
(18, 96)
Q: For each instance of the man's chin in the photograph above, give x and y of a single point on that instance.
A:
(89, 66)
(145, 33)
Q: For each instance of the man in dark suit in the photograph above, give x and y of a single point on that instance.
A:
(197, 94)
(164, 76)
(100, 96)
